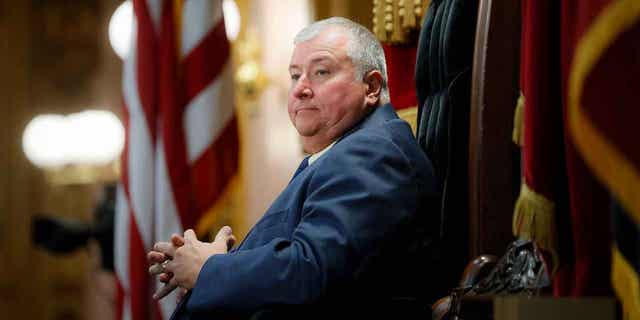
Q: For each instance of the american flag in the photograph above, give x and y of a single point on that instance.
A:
(181, 146)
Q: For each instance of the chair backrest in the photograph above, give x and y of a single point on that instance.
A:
(494, 160)
(443, 87)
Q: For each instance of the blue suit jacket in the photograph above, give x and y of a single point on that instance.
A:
(339, 233)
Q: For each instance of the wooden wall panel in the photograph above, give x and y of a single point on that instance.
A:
(54, 58)
(21, 280)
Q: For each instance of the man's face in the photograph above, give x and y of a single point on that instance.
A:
(326, 98)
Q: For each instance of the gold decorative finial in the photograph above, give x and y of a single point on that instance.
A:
(400, 18)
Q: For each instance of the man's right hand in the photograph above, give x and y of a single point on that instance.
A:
(161, 254)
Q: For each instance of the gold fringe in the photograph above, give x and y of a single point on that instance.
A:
(518, 122)
(398, 21)
(627, 285)
(410, 115)
(534, 219)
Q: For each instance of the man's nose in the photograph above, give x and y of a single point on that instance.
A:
(302, 89)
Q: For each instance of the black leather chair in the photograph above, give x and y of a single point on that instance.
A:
(443, 86)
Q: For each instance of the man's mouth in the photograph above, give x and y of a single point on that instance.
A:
(305, 109)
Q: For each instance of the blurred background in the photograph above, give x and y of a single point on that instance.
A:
(61, 73)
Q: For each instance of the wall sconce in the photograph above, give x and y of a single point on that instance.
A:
(77, 148)
(249, 75)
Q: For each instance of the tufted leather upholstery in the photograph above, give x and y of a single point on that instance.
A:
(443, 86)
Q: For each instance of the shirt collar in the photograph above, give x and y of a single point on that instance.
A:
(318, 154)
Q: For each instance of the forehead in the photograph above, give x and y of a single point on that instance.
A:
(330, 43)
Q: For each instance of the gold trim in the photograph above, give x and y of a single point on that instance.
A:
(518, 122)
(607, 162)
(228, 205)
(534, 219)
(395, 20)
(410, 115)
(626, 283)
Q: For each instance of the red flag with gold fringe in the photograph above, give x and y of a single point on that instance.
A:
(561, 205)
(588, 272)
(538, 126)
(603, 95)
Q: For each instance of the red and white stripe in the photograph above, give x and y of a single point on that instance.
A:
(181, 137)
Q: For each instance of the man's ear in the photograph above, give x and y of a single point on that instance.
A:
(373, 80)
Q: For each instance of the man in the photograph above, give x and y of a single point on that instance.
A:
(341, 233)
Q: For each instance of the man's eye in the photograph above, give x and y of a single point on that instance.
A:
(295, 76)
(322, 72)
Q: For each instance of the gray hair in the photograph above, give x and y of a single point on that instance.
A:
(364, 49)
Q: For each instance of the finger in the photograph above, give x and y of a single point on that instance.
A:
(168, 266)
(165, 247)
(231, 241)
(165, 277)
(223, 234)
(190, 235)
(177, 240)
(156, 257)
(156, 269)
(165, 290)
(180, 294)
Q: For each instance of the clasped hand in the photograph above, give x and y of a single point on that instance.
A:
(178, 262)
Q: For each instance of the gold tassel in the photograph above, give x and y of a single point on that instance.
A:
(534, 219)
(518, 122)
(398, 21)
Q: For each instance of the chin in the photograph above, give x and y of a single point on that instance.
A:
(305, 128)
(305, 131)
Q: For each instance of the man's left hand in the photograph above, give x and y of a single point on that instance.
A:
(189, 259)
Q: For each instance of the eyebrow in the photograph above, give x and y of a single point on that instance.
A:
(314, 60)
(293, 66)
(319, 59)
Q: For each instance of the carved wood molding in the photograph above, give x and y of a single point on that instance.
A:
(397, 21)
